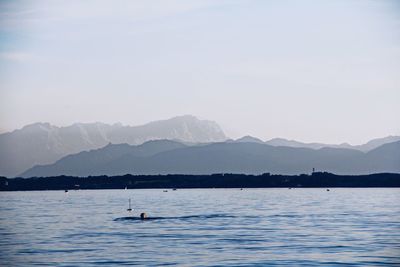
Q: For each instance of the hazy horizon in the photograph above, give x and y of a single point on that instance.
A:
(185, 115)
(315, 71)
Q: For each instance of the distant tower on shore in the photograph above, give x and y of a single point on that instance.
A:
(313, 170)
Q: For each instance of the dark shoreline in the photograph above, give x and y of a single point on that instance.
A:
(315, 180)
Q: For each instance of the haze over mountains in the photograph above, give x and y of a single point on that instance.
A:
(204, 144)
(43, 143)
(372, 144)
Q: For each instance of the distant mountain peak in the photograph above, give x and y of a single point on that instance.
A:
(37, 125)
(374, 143)
(185, 117)
(188, 119)
(42, 143)
(249, 139)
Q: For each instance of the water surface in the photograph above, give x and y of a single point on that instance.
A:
(210, 227)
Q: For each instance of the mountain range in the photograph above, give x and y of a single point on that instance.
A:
(43, 143)
(39, 144)
(171, 157)
(372, 144)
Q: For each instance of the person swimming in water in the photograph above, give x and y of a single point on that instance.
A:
(143, 216)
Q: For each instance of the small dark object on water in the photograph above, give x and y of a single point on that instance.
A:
(328, 190)
(174, 189)
(143, 216)
(66, 191)
(290, 188)
(129, 207)
(241, 189)
(165, 191)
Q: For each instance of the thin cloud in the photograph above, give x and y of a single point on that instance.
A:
(16, 56)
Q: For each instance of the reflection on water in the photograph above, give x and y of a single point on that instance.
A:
(358, 227)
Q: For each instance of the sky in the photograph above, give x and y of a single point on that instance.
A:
(314, 71)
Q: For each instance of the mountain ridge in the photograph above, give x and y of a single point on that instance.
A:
(370, 145)
(232, 157)
(43, 143)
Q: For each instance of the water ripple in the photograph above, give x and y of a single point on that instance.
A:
(260, 227)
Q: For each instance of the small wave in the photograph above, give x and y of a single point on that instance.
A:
(45, 251)
(286, 215)
(190, 217)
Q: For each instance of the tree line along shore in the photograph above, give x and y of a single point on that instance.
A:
(225, 180)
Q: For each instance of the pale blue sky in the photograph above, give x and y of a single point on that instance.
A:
(326, 71)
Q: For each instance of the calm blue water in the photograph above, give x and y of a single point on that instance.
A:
(253, 227)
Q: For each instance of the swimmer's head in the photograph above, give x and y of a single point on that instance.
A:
(143, 215)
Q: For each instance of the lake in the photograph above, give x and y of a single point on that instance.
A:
(207, 227)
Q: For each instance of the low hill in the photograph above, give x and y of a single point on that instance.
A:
(224, 157)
